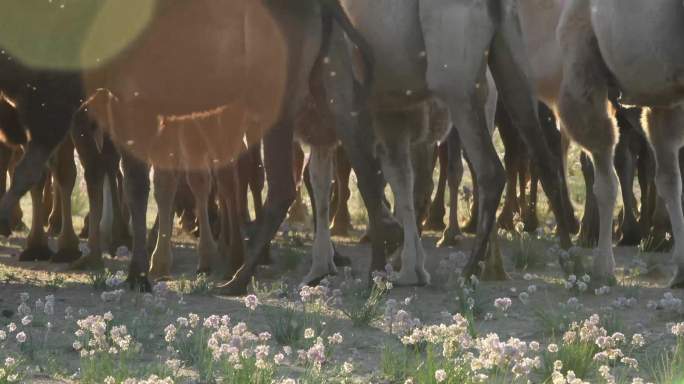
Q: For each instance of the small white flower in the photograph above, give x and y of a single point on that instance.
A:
(309, 333)
(440, 375)
(251, 302)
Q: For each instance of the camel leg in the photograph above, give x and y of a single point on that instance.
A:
(29, 172)
(298, 210)
(446, 67)
(508, 63)
(341, 222)
(452, 233)
(231, 245)
(625, 166)
(200, 184)
(7, 156)
(65, 179)
(165, 186)
(531, 218)
(278, 160)
(354, 130)
(37, 242)
(471, 225)
(435, 219)
(137, 188)
(321, 174)
(646, 175)
(117, 216)
(665, 127)
(54, 222)
(554, 140)
(512, 157)
(422, 164)
(245, 167)
(397, 167)
(588, 235)
(256, 183)
(94, 175)
(585, 111)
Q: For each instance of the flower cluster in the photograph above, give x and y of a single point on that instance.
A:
(97, 334)
(581, 285)
(667, 303)
(399, 321)
(479, 355)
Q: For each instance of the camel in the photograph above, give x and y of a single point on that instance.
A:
(601, 49)
(262, 100)
(421, 46)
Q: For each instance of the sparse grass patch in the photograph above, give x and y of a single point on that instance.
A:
(291, 257)
(362, 305)
(669, 366)
(469, 302)
(528, 250)
(655, 243)
(401, 364)
(266, 291)
(12, 369)
(552, 321)
(54, 282)
(98, 279)
(577, 357)
(287, 324)
(612, 322)
(200, 285)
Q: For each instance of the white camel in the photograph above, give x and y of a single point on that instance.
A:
(440, 49)
(637, 46)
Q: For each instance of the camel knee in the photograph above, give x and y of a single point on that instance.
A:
(492, 183)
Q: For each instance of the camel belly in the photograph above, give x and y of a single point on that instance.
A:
(539, 20)
(641, 43)
(203, 74)
(204, 54)
(393, 30)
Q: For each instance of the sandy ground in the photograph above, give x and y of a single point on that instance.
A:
(363, 345)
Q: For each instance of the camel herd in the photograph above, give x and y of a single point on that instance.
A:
(201, 89)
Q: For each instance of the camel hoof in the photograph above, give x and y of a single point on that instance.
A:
(677, 281)
(5, 229)
(470, 227)
(157, 273)
(578, 267)
(342, 230)
(341, 261)
(417, 278)
(87, 263)
(531, 224)
(315, 279)
(231, 288)
(40, 253)
(630, 238)
(68, 255)
(471, 269)
(265, 258)
(432, 224)
(20, 226)
(449, 241)
(599, 281)
(494, 274)
(139, 281)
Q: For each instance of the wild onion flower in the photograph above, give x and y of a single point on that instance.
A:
(251, 302)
